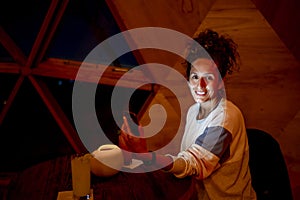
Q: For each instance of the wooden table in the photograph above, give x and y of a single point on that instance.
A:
(43, 181)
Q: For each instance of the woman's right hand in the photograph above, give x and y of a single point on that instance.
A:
(131, 143)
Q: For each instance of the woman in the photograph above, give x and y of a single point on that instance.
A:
(214, 147)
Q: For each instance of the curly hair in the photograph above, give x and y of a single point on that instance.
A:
(220, 48)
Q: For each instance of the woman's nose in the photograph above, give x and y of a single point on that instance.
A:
(202, 83)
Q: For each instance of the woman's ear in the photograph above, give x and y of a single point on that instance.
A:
(221, 84)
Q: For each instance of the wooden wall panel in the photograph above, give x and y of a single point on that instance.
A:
(266, 88)
(284, 17)
(182, 15)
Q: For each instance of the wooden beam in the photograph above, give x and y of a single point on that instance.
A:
(11, 47)
(10, 68)
(67, 69)
(58, 114)
(11, 98)
(42, 33)
(51, 30)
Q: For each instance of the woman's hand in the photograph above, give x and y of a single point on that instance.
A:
(130, 143)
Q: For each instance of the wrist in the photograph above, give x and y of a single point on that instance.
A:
(151, 160)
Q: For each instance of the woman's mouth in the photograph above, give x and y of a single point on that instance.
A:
(200, 93)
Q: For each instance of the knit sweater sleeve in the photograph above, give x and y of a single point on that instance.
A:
(205, 156)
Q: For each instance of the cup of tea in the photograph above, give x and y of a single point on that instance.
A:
(81, 176)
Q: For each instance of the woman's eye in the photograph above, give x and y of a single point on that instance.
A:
(194, 77)
(209, 78)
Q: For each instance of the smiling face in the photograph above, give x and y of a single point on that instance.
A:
(205, 80)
